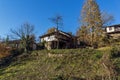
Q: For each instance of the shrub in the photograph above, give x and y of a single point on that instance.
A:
(97, 55)
(115, 52)
(4, 51)
(59, 77)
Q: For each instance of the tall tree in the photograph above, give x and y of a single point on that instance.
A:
(26, 35)
(91, 19)
(82, 35)
(58, 21)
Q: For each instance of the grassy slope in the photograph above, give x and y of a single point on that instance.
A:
(66, 64)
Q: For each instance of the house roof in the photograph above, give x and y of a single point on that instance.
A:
(118, 25)
(12, 41)
(60, 32)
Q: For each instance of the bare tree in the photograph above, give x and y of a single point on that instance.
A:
(107, 18)
(25, 34)
(58, 21)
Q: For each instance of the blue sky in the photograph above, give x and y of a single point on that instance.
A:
(13, 13)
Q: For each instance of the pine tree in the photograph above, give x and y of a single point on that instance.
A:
(91, 18)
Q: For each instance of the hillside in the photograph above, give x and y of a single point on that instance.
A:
(66, 64)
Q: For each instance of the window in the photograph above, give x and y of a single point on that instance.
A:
(110, 28)
(117, 29)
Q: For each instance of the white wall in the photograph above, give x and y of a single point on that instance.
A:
(110, 29)
(49, 38)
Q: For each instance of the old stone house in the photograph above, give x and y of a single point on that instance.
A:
(58, 39)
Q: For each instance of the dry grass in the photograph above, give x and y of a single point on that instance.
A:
(105, 48)
(66, 64)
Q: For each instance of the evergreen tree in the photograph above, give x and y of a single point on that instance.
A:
(7, 40)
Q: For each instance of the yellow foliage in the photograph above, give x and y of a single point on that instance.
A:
(104, 48)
